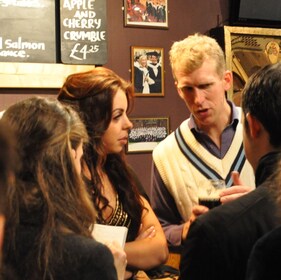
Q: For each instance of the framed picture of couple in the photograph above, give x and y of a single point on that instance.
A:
(146, 13)
(147, 69)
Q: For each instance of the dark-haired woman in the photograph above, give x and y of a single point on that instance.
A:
(103, 100)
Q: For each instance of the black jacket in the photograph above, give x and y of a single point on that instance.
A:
(219, 242)
(264, 261)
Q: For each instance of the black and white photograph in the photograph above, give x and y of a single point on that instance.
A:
(147, 133)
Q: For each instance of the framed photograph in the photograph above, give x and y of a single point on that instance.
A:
(146, 13)
(248, 49)
(147, 68)
(147, 133)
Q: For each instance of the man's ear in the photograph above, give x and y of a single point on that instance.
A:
(227, 80)
(180, 94)
(254, 125)
(179, 91)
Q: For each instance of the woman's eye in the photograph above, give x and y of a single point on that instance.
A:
(117, 117)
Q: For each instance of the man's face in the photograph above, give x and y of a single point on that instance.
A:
(153, 59)
(203, 91)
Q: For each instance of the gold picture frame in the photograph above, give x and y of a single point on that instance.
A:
(147, 69)
(146, 14)
(248, 49)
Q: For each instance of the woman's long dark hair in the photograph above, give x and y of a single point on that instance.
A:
(91, 95)
(49, 195)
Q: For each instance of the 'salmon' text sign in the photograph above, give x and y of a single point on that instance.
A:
(27, 31)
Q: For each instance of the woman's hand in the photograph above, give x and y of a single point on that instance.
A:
(148, 233)
(120, 259)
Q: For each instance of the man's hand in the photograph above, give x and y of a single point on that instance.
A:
(197, 210)
(238, 189)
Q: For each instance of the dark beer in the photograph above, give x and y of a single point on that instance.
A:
(210, 202)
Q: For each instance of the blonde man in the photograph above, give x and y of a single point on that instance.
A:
(207, 145)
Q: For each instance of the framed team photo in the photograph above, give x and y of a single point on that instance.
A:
(147, 133)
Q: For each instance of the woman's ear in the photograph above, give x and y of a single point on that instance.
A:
(73, 153)
(254, 125)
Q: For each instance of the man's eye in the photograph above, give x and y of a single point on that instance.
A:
(205, 86)
(186, 89)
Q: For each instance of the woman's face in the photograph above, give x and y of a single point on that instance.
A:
(143, 61)
(116, 135)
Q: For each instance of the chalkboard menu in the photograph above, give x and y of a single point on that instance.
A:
(83, 32)
(27, 31)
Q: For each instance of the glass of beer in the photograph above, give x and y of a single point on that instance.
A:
(210, 191)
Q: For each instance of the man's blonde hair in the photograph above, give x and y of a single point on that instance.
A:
(189, 54)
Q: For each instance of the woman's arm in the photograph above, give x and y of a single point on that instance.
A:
(150, 247)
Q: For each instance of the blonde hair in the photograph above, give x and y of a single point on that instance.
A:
(190, 53)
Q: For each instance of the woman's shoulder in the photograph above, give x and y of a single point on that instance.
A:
(85, 256)
(73, 242)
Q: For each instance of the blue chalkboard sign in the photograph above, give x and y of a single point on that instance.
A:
(83, 32)
(28, 31)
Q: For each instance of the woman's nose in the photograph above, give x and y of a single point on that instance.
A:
(128, 123)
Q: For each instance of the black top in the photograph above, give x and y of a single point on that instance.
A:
(81, 258)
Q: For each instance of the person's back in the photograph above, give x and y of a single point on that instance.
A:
(49, 214)
(219, 242)
(264, 260)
